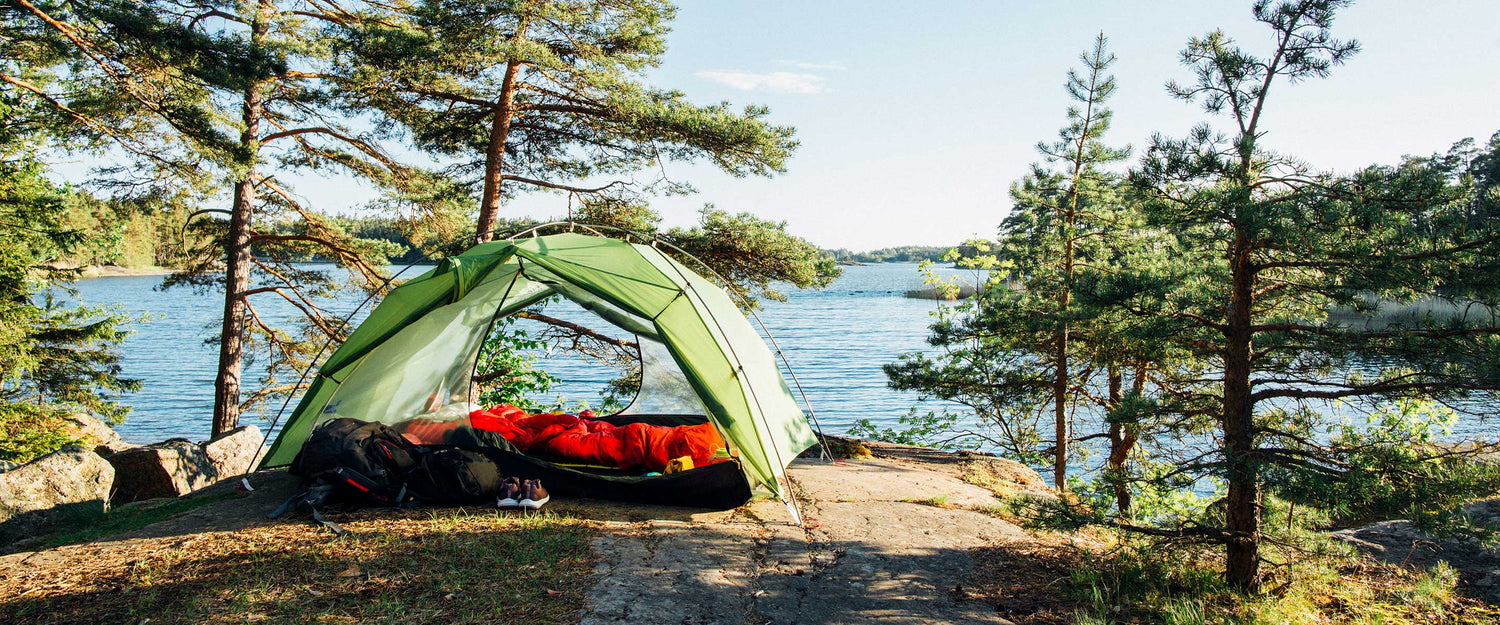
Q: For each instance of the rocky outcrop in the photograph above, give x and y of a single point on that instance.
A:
(178, 467)
(1005, 477)
(95, 434)
(232, 453)
(170, 469)
(1399, 542)
(1001, 476)
(72, 480)
(82, 480)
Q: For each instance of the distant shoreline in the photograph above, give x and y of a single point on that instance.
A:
(115, 271)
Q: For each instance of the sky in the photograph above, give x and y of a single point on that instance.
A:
(915, 117)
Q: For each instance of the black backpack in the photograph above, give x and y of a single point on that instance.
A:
(372, 450)
(343, 490)
(347, 464)
(455, 477)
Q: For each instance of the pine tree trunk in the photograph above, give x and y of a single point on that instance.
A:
(237, 254)
(1243, 503)
(1121, 440)
(1060, 411)
(494, 160)
(1060, 383)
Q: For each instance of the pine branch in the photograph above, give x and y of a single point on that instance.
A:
(603, 338)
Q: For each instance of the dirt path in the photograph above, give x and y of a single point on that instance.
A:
(891, 544)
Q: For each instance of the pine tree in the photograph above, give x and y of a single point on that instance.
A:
(114, 78)
(55, 359)
(545, 95)
(288, 115)
(1066, 209)
(225, 95)
(1265, 248)
(1014, 351)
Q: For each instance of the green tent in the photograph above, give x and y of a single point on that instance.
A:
(699, 354)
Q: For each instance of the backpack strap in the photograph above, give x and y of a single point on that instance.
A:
(379, 494)
(333, 527)
(309, 499)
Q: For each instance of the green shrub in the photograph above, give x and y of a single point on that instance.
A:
(28, 432)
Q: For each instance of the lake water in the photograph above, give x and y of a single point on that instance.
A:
(836, 340)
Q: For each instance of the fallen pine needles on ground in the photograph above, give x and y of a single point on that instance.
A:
(415, 566)
(85, 528)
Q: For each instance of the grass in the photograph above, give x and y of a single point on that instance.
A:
(839, 446)
(936, 501)
(87, 527)
(1058, 582)
(417, 566)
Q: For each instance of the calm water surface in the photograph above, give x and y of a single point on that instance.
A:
(836, 339)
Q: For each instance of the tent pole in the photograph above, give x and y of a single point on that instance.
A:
(654, 240)
(311, 362)
(789, 497)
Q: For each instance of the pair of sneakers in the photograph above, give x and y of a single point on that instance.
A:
(515, 493)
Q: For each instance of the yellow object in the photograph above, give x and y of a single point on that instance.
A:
(678, 465)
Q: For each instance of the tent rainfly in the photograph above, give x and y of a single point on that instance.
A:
(700, 358)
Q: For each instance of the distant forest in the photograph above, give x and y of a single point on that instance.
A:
(143, 234)
(905, 254)
(147, 234)
(902, 254)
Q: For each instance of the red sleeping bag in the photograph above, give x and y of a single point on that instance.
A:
(632, 447)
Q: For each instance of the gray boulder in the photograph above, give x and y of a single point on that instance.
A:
(168, 469)
(96, 434)
(1399, 542)
(71, 481)
(1006, 477)
(232, 453)
(178, 467)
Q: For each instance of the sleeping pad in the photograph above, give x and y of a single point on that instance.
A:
(631, 447)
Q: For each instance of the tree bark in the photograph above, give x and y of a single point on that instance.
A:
(494, 160)
(1060, 382)
(1060, 409)
(237, 251)
(1121, 440)
(1243, 502)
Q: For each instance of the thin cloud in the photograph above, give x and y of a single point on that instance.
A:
(824, 67)
(782, 82)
